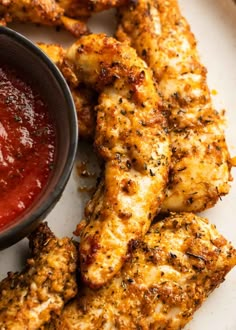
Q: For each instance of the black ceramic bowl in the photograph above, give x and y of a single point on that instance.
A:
(24, 56)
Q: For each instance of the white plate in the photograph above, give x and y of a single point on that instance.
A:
(214, 25)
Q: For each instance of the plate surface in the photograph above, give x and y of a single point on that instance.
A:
(214, 25)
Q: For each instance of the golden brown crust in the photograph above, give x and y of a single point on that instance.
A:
(200, 165)
(54, 51)
(169, 274)
(30, 298)
(85, 99)
(45, 12)
(131, 138)
(74, 26)
(84, 8)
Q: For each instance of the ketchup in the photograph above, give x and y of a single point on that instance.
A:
(27, 144)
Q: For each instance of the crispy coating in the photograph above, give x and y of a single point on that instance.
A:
(200, 165)
(55, 52)
(84, 8)
(169, 274)
(85, 99)
(132, 140)
(76, 27)
(29, 299)
(45, 12)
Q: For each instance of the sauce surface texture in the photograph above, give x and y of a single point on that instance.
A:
(27, 144)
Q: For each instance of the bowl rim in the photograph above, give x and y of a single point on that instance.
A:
(18, 230)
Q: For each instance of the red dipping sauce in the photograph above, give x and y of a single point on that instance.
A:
(27, 144)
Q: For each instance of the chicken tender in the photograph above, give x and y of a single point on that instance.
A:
(45, 12)
(169, 274)
(132, 139)
(85, 99)
(84, 8)
(200, 164)
(29, 299)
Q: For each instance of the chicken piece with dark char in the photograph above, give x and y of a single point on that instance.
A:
(85, 8)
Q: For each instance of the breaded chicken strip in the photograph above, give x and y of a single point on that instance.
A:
(45, 12)
(200, 165)
(85, 99)
(169, 274)
(132, 139)
(30, 298)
